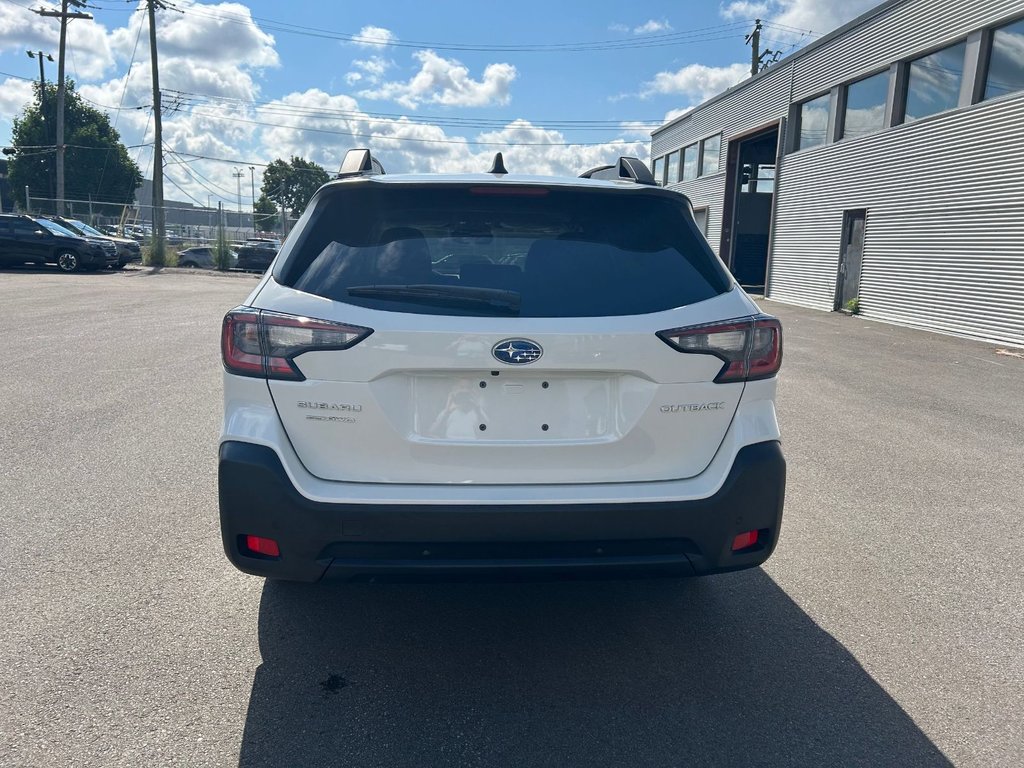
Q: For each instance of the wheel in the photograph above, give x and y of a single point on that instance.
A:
(190, 265)
(67, 261)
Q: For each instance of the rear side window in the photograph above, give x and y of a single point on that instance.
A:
(489, 250)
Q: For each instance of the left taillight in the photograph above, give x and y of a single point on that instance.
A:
(264, 344)
(750, 347)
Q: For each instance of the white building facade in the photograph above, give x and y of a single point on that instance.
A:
(879, 168)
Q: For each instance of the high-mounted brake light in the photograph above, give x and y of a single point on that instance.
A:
(499, 190)
(264, 344)
(750, 347)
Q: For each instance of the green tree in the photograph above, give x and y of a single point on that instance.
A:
(293, 183)
(265, 214)
(96, 163)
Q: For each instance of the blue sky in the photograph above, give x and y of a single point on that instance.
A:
(429, 87)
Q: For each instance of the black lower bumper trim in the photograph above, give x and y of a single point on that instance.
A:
(387, 541)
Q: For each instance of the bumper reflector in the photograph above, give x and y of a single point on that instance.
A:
(257, 545)
(744, 540)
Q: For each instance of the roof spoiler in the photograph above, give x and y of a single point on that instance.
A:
(626, 169)
(359, 162)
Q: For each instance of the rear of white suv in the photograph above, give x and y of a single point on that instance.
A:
(462, 375)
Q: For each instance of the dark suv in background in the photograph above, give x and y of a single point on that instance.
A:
(128, 250)
(257, 253)
(25, 239)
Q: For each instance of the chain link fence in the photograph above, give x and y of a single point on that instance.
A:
(183, 223)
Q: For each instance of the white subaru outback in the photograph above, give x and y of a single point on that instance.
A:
(449, 375)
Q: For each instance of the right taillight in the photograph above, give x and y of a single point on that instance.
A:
(264, 344)
(750, 347)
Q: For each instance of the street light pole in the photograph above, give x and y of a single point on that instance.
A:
(238, 174)
(42, 103)
(252, 180)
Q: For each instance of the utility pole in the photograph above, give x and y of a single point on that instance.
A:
(157, 255)
(238, 174)
(754, 40)
(757, 56)
(64, 15)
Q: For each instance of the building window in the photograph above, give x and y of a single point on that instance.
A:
(934, 83)
(865, 105)
(700, 218)
(658, 170)
(690, 162)
(814, 122)
(672, 168)
(1006, 63)
(711, 148)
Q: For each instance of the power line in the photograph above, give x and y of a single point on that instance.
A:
(645, 41)
(193, 172)
(365, 135)
(117, 112)
(276, 106)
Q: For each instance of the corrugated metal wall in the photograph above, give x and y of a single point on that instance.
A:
(944, 240)
(944, 237)
(897, 33)
(707, 192)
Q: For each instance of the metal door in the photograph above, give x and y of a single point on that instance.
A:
(850, 258)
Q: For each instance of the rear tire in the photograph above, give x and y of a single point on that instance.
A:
(67, 261)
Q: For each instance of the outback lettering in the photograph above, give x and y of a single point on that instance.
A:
(690, 407)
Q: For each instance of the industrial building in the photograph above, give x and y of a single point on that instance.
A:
(879, 169)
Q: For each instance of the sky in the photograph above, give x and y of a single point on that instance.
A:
(439, 87)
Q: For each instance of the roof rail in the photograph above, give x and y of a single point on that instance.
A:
(359, 162)
(626, 169)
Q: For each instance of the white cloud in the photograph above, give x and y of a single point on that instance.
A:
(635, 130)
(219, 33)
(371, 70)
(375, 37)
(652, 26)
(408, 147)
(818, 16)
(672, 114)
(618, 28)
(695, 81)
(447, 81)
(744, 9)
(89, 53)
(14, 96)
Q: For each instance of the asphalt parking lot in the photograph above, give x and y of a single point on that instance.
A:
(886, 630)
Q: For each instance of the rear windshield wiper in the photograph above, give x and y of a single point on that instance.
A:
(451, 295)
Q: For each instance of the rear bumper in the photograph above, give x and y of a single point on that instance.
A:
(381, 541)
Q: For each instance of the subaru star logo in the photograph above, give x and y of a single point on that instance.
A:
(517, 351)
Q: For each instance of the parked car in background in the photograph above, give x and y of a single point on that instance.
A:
(257, 253)
(128, 250)
(203, 257)
(24, 239)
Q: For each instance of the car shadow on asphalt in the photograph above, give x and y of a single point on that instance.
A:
(720, 671)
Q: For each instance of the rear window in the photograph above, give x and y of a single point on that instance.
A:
(489, 250)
